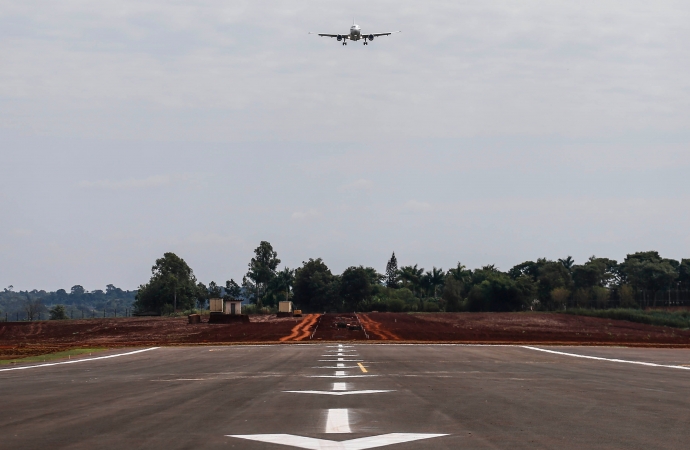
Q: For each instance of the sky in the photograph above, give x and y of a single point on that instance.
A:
(486, 132)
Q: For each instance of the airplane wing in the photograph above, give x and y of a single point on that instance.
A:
(344, 36)
(380, 34)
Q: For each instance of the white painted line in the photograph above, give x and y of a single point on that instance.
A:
(339, 386)
(606, 359)
(339, 373)
(74, 361)
(340, 360)
(338, 393)
(339, 376)
(324, 444)
(340, 365)
(338, 421)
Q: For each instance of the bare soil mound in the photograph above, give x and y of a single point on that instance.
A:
(520, 328)
(337, 327)
(18, 339)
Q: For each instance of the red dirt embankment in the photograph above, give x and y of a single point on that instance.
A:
(303, 329)
(18, 339)
(519, 328)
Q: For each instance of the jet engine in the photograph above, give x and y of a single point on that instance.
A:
(371, 37)
(339, 38)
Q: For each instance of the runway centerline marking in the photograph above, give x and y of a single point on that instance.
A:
(340, 393)
(575, 355)
(362, 367)
(325, 444)
(338, 421)
(74, 361)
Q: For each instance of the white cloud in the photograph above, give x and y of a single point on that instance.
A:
(306, 215)
(417, 206)
(134, 183)
(357, 185)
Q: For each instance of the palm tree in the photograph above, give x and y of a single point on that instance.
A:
(460, 273)
(286, 279)
(567, 263)
(411, 277)
(435, 279)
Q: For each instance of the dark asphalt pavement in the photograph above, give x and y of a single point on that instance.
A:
(477, 397)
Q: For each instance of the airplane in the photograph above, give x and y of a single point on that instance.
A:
(355, 35)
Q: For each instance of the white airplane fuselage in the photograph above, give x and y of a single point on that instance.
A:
(355, 32)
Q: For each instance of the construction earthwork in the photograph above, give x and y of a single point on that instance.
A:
(19, 339)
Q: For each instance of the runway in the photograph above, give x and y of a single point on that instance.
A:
(352, 396)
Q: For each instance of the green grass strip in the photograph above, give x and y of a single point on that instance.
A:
(52, 356)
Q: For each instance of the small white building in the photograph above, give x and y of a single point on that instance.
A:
(233, 307)
(285, 307)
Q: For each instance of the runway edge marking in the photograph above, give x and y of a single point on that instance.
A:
(74, 361)
(575, 355)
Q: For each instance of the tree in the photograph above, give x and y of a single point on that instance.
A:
(460, 273)
(232, 290)
(202, 295)
(551, 275)
(214, 291)
(452, 294)
(284, 281)
(495, 292)
(648, 271)
(32, 307)
(411, 277)
(392, 272)
(58, 312)
(435, 279)
(77, 291)
(262, 268)
(560, 297)
(172, 284)
(355, 287)
(567, 263)
(315, 286)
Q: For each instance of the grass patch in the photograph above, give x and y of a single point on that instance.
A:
(675, 319)
(52, 356)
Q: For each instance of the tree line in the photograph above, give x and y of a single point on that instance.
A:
(642, 279)
(77, 303)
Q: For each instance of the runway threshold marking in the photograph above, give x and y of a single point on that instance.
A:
(74, 361)
(362, 367)
(575, 355)
(325, 444)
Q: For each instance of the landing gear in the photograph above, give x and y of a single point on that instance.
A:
(344, 43)
(366, 43)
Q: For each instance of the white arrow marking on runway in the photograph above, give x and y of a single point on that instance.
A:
(323, 444)
(338, 421)
(369, 391)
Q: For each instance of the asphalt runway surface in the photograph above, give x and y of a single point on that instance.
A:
(352, 397)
